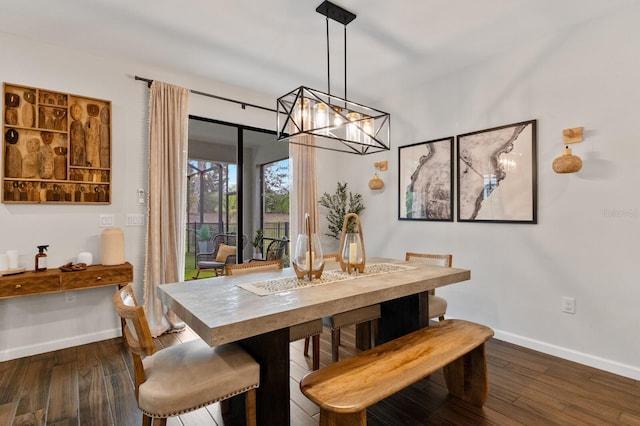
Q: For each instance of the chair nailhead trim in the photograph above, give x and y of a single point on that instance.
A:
(165, 415)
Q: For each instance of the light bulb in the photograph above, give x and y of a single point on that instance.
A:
(368, 131)
(353, 132)
(321, 118)
(337, 117)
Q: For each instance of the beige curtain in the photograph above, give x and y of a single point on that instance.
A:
(304, 188)
(164, 262)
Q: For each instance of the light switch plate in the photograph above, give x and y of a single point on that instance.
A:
(106, 220)
(133, 219)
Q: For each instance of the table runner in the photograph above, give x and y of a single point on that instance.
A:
(277, 285)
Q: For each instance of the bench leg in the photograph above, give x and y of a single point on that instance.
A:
(328, 418)
(467, 378)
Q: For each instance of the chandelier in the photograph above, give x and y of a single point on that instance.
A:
(335, 123)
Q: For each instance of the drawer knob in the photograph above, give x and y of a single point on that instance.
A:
(18, 286)
(98, 278)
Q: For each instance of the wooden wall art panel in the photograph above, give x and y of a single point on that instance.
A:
(57, 147)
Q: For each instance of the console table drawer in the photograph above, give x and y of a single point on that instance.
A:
(54, 280)
(97, 276)
(25, 285)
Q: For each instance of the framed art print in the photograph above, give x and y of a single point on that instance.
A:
(426, 181)
(497, 179)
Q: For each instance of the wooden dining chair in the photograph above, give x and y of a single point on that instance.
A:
(307, 330)
(258, 266)
(335, 322)
(183, 377)
(437, 304)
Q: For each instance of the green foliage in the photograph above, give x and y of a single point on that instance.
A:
(204, 233)
(339, 205)
(232, 205)
(276, 187)
(258, 241)
(276, 203)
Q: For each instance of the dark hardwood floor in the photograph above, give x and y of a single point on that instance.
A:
(91, 385)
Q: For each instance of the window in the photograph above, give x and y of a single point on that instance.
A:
(275, 199)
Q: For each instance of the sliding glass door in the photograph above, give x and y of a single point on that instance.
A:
(225, 186)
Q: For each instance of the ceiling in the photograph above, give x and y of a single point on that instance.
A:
(274, 46)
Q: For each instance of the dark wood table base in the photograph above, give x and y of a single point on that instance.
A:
(271, 350)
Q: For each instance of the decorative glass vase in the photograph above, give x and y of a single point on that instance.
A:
(307, 256)
(352, 253)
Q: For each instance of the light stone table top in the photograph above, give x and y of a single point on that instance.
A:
(221, 312)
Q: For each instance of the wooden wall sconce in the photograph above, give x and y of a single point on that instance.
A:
(567, 162)
(376, 183)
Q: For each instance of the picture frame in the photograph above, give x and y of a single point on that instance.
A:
(497, 174)
(425, 183)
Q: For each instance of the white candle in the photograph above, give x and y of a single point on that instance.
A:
(4, 262)
(85, 257)
(307, 260)
(353, 253)
(12, 256)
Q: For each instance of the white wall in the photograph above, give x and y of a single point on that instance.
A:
(587, 77)
(587, 239)
(35, 324)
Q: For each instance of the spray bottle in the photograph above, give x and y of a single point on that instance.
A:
(41, 259)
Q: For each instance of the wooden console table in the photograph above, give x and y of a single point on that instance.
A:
(54, 280)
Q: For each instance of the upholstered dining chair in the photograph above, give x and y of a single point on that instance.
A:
(437, 304)
(335, 322)
(307, 330)
(183, 377)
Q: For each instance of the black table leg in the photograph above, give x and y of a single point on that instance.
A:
(271, 350)
(402, 316)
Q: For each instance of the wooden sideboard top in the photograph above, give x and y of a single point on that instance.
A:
(54, 280)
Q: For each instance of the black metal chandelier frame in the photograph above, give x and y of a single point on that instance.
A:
(335, 123)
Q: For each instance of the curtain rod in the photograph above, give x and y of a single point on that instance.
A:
(209, 95)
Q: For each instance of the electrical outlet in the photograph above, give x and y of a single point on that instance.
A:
(140, 196)
(569, 305)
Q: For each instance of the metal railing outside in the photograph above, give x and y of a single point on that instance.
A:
(272, 230)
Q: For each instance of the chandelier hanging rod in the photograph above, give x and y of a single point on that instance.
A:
(344, 17)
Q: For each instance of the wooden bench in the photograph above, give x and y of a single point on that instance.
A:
(344, 390)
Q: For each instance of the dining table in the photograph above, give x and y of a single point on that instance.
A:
(256, 310)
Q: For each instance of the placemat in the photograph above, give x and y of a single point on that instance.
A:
(264, 288)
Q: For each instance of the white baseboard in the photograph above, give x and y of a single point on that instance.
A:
(54, 345)
(561, 352)
(582, 358)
